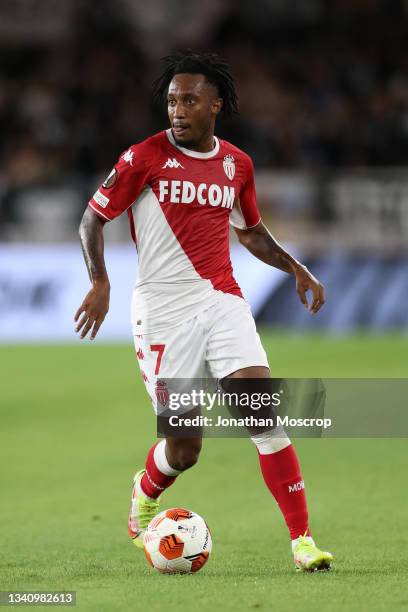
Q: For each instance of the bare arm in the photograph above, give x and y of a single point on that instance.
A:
(260, 242)
(96, 303)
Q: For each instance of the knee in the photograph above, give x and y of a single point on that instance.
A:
(184, 454)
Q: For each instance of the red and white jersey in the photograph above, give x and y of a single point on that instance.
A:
(180, 204)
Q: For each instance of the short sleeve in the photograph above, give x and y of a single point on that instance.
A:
(245, 213)
(124, 184)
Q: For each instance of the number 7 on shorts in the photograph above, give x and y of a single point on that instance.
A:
(159, 348)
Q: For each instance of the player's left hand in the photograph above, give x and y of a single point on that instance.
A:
(305, 281)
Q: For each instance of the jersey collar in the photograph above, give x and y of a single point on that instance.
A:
(191, 153)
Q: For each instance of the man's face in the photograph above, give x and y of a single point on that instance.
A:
(192, 106)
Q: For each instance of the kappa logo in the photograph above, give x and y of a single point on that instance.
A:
(229, 166)
(172, 163)
(128, 157)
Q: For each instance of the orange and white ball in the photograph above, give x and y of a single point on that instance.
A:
(177, 541)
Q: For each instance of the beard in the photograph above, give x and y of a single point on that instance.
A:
(187, 144)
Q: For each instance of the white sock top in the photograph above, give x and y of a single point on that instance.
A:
(161, 462)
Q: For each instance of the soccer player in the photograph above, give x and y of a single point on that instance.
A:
(181, 188)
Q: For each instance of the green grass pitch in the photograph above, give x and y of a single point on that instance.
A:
(76, 424)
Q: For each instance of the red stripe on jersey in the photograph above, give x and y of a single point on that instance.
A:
(203, 234)
(132, 225)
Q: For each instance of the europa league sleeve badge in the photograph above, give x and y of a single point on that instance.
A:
(110, 179)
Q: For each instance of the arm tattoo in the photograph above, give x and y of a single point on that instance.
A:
(92, 243)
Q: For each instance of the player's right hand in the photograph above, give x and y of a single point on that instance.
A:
(93, 309)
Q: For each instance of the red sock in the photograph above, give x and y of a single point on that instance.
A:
(283, 478)
(153, 480)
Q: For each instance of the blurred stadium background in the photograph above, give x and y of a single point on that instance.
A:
(323, 91)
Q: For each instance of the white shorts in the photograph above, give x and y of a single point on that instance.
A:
(212, 344)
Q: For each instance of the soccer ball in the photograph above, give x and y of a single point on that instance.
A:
(177, 541)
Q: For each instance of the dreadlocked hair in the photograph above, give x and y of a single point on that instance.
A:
(215, 70)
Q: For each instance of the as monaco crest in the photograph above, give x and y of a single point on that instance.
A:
(229, 166)
(162, 392)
